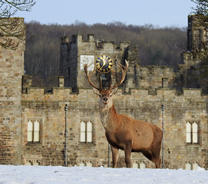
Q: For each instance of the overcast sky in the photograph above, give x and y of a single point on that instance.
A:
(137, 12)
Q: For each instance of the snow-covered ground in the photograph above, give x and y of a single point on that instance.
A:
(101, 175)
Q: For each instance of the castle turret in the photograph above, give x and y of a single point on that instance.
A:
(11, 71)
(64, 57)
(79, 52)
(196, 34)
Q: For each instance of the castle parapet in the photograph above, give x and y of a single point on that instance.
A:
(79, 38)
(90, 37)
(192, 92)
(61, 81)
(26, 82)
(164, 82)
(124, 44)
(36, 91)
(65, 39)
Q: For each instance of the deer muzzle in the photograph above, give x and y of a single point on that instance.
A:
(105, 100)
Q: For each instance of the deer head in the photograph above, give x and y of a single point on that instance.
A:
(106, 94)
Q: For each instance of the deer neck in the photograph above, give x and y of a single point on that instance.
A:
(107, 114)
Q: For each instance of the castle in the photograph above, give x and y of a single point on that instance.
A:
(36, 128)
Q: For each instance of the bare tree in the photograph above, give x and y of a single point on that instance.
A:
(12, 27)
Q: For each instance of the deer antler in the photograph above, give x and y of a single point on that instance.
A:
(115, 85)
(123, 75)
(89, 77)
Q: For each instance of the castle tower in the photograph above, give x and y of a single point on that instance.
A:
(11, 71)
(196, 34)
(64, 69)
(79, 52)
(196, 38)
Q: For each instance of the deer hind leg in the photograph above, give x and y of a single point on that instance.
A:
(114, 156)
(157, 161)
(154, 157)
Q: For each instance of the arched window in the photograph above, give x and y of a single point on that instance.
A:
(82, 164)
(36, 131)
(188, 166)
(89, 164)
(36, 163)
(33, 131)
(28, 162)
(142, 165)
(195, 132)
(191, 132)
(89, 131)
(29, 131)
(82, 132)
(86, 132)
(135, 165)
(191, 166)
(195, 166)
(188, 132)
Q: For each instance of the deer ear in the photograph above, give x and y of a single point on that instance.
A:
(97, 92)
(114, 91)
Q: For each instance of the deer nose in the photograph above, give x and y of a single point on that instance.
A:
(105, 99)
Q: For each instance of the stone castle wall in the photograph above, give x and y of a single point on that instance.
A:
(138, 77)
(139, 104)
(11, 71)
(144, 91)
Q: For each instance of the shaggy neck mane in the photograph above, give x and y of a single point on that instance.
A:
(107, 115)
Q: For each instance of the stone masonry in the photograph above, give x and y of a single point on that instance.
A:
(11, 71)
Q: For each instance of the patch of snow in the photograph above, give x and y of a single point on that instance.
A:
(91, 175)
(200, 169)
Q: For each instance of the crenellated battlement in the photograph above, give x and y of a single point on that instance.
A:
(99, 44)
(65, 94)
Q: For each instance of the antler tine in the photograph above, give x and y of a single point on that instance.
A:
(85, 68)
(89, 76)
(123, 74)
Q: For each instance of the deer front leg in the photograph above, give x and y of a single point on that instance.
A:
(127, 150)
(114, 156)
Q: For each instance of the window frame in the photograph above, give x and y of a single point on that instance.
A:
(193, 165)
(191, 134)
(86, 163)
(188, 166)
(87, 133)
(34, 132)
(33, 162)
(142, 165)
(83, 132)
(139, 164)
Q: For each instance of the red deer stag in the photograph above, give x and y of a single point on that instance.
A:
(123, 132)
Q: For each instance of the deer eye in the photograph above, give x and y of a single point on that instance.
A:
(100, 95)
(110, 95)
